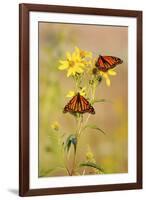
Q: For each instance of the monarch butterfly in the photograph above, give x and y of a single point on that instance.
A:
(78, 104)
(104, 63)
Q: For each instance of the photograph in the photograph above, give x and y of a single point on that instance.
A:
(83, 99)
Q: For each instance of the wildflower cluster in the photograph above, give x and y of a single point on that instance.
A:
(75, 62)
(80, 63)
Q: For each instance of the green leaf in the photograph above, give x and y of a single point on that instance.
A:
(71, 140)
(100, 101)
(93, 126)
(90, 164)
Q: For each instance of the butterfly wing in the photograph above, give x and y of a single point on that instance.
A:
(71, 105)
(85, 105)
(79, 104)
(104, 63)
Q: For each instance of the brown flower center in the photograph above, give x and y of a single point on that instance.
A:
(71, 63)
(82, 54)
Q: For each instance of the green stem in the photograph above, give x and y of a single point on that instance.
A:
(65, 164)
(67, 170)
(93, 90)
(79, 128)
(74, 164)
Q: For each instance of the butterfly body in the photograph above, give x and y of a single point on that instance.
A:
(79, 104)
(104, 63)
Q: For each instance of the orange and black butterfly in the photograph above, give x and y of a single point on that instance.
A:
(78, 104)
(104, 63)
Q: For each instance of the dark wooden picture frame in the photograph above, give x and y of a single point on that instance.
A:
(24, 10)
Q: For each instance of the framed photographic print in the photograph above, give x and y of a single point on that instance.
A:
(80, 99)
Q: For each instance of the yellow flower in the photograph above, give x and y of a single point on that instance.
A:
(73, 64)
(72, 93)
(82, 53)
(55, 126)
(106, 75)
(90, 156)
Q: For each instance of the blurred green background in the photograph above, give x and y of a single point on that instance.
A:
(110, 150)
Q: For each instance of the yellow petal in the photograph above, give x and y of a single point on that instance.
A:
(74, 56)
(68, 55)
(89, 54)
(80, 65)
(83, 64)
(77, 50)
(70, 72)
(78, 69)
(64, 65)
(108, 82)
(62, 61)
(70, 94)
(112, 72)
